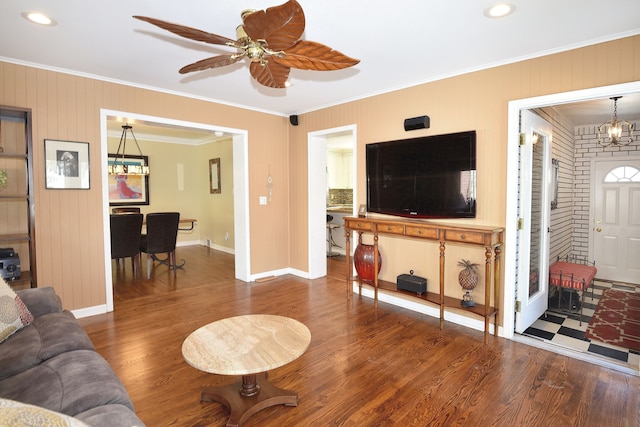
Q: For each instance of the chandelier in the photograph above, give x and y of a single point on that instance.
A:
(122, 166)
(611, 132)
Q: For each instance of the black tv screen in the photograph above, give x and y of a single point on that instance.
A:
(428, 177)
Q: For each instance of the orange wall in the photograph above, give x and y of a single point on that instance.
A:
(69, 229)
(477, 101)
(70, 252)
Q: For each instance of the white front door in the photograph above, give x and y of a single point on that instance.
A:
(534, 212)
(616, 220)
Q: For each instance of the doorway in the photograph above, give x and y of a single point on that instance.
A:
(241, 191)
(512, 249)
(317, 194)
(616, 224)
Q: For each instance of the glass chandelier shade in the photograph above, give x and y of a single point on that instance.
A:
(120, 164)
(612, 132)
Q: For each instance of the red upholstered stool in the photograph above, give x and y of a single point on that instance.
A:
(574, 276)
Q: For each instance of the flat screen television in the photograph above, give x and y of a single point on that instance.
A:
(427, 177)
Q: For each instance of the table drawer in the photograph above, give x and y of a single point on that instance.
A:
(464, 236)
(391, 228)
(424, 232)
(359, 225)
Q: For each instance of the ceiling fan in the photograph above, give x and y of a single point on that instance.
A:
(271, 40)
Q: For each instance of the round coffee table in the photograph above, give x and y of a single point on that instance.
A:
(246, 345)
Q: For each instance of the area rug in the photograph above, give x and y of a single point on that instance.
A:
(616, 320)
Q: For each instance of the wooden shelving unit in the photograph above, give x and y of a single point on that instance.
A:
(17, 222)
(490, 238)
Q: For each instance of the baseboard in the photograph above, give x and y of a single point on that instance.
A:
(212, 246)
(269, 274)
(90, 311)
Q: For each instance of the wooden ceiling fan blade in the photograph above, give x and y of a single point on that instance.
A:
(271, 74)
(214, 62)
(281, 26)
(188, 32)
(308, 55)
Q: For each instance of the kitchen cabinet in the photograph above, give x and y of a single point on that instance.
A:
(339, 169)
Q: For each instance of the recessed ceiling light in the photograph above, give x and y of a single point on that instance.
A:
(38, 18)
(499, 10)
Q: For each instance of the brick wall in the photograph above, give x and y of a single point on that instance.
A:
(560, 222)
(586, 149)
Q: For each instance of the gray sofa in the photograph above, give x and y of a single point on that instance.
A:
(53, 364)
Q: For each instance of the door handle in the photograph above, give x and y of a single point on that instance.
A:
(598, 229)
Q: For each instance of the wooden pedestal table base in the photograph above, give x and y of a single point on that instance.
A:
(248, 346)
(245, 398)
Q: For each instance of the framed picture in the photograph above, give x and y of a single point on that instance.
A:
(214, 176)
(127, 190)
(66, 165)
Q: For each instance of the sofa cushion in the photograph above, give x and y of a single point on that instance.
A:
(110, 416)
(71, 383)
(47, 337)
(18, 414)
(40, 301)
(14, 315)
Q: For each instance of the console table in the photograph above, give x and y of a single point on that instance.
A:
(491, 238)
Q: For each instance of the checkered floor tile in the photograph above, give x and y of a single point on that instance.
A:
(563, 328)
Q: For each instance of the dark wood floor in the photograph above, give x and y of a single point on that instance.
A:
(365, 367)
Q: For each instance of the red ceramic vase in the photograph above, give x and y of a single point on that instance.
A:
(363, 261)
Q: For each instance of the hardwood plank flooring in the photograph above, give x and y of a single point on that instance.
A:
(365, 366)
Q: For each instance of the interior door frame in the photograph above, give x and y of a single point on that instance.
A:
(513, 129)
(242, 241)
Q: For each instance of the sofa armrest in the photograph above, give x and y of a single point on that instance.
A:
(40, 301)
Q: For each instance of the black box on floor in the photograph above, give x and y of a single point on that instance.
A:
(411, 283)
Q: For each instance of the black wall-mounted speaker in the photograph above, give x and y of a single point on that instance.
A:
(294, 119)
(414, 123)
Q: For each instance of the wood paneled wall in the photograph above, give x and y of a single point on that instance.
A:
(479, 101)
(69, 227)
(69, 223)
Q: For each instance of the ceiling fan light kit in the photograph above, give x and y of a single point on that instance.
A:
(270, 40)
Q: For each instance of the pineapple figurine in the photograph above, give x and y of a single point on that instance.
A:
(468, 279)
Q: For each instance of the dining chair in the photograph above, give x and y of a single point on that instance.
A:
(125, 240)
(160, 238)
(124, 210)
